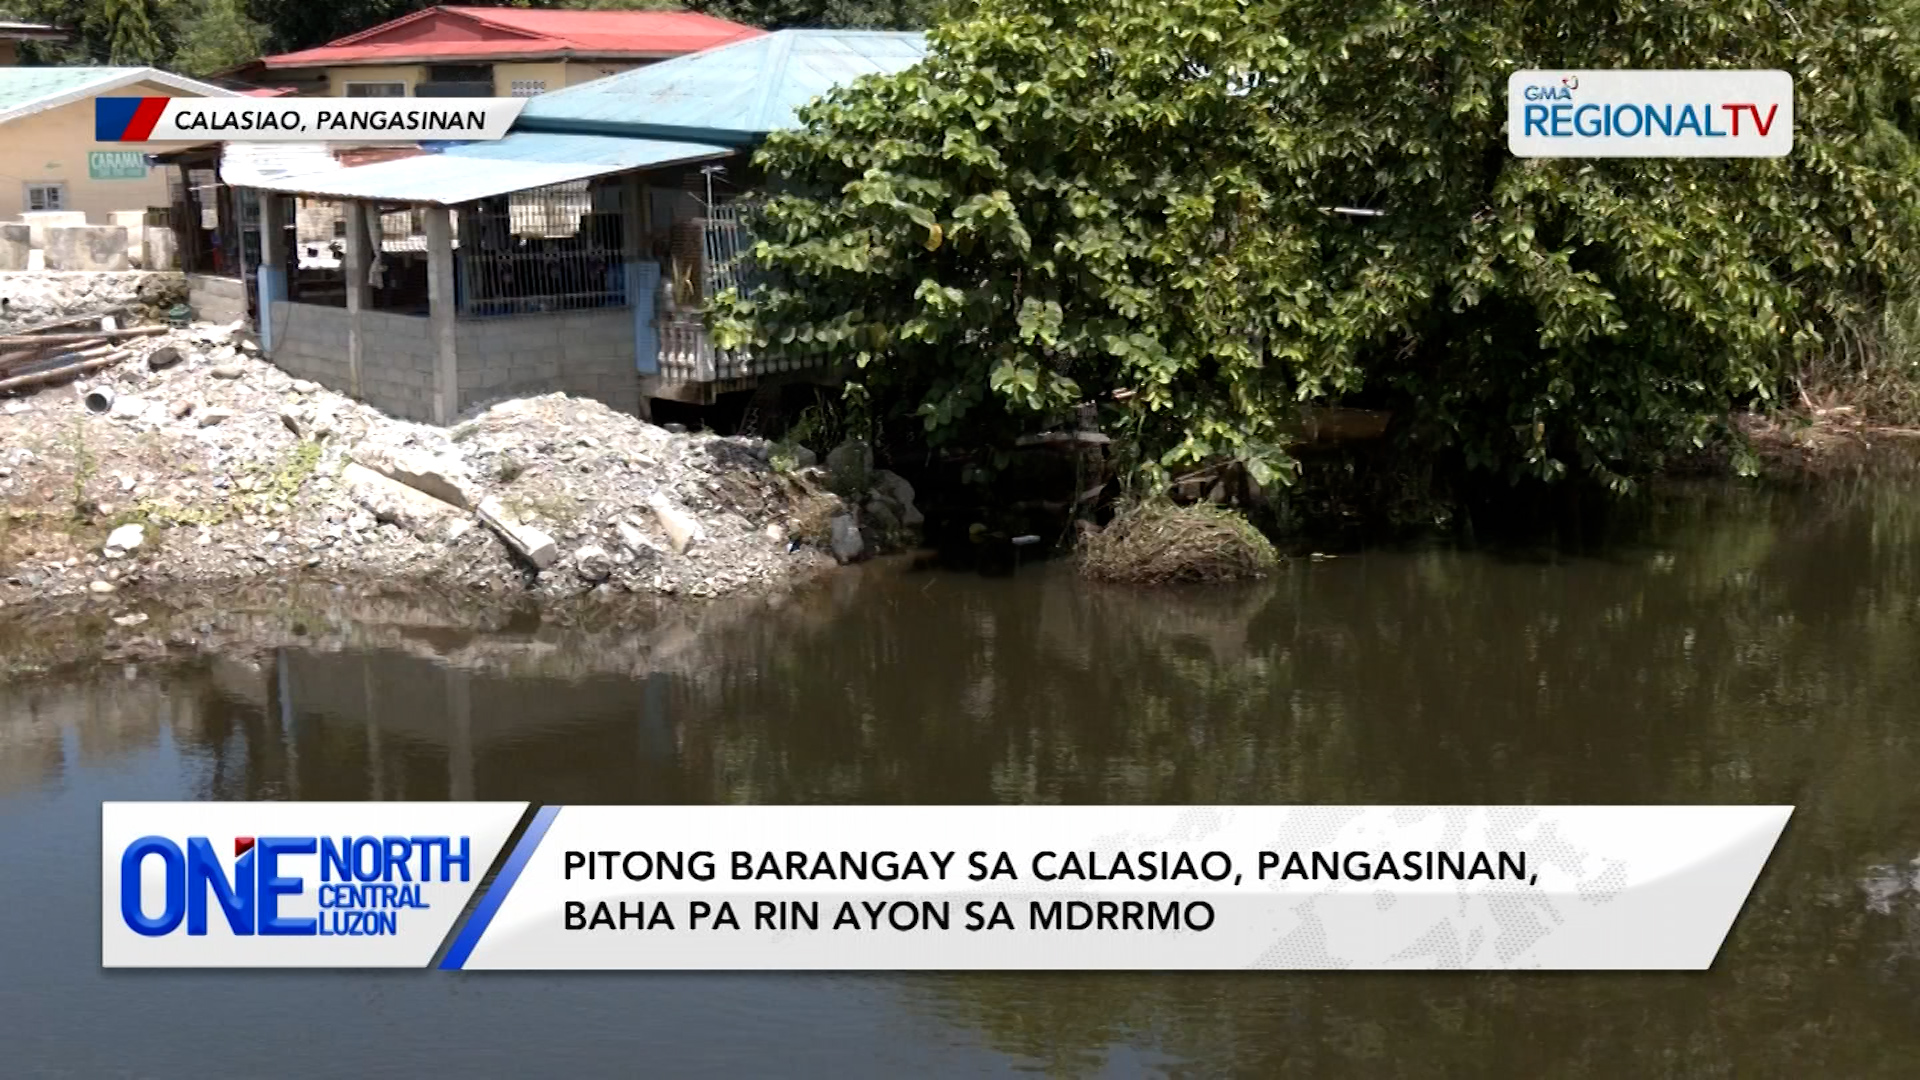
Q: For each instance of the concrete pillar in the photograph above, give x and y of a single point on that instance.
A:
(161, 246)
(135, 222)
(16, 246)
(357, 261)
(270, 277)
(440, 314)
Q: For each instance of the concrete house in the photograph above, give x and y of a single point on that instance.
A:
(49, 161)
(491, 52)
(575, 254)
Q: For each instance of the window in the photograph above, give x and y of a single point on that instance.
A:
(376, 89)
(529, 87)
(47, 196)
(461, 73)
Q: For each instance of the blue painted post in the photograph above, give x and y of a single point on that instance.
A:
(270, 278)
(643, 284)
(643, 276)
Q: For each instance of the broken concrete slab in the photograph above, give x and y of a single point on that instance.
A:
(392, 501)
(683, 529)
(526, 541)
(445, 478)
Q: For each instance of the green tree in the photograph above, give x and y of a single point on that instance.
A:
(217, 37)
(130, 30)
(1068, 200)
(870, 14)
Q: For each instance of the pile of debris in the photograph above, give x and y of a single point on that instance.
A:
(187, 458)
(30, 297)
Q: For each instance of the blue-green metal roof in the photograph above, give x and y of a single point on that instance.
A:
(463, 172)
(731, 95)
(28, 90)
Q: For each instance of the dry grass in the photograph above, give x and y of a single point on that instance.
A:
(813, 514)
(1871, 370)
(1160, 543)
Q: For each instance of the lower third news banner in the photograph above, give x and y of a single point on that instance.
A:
(995, 888)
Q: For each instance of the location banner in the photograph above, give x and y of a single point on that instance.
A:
(931, 888)
(330, 119)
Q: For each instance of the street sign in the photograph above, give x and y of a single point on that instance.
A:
(116, 165)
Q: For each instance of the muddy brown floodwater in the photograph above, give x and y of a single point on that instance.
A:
(1724, 646)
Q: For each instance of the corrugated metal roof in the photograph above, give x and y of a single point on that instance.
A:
(245, 164)
(464, 172)
(453, 32)
(733, 94)
(28, 90)
(26, 31)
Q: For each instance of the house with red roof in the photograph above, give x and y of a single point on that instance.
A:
(491, 52)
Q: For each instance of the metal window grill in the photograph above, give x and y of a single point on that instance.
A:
(405, 230)
(198, 197)
(544, 249)
(712, 254)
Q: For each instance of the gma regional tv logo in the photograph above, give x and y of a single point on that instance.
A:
(365, 883)
(291, 884)
(1648, 114)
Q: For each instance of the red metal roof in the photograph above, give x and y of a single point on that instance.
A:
(470, 33)
(267, 91)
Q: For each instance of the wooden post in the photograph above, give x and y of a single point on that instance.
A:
(440, 314)
(355, 267)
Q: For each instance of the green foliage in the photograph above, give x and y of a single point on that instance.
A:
(867, 14)
(1068, 200)
(624, 5)
(128, 27)
(217, 37)
(85, 464)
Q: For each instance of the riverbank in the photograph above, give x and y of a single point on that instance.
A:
(212, 468)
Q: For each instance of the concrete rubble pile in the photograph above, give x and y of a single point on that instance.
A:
(200, 461)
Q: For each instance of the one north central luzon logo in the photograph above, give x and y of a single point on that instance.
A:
(1554, 110)
(366, 883)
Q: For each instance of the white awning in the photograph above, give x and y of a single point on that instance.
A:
(463, 172)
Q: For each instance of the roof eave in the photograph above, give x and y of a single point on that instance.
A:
(280, 63)
(734, 139)
(101, 86)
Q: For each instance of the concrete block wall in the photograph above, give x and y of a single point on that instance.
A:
(396, 358)
(86, 247)
(217, 299)
(310, 342)
(584, 353)
(396, 363)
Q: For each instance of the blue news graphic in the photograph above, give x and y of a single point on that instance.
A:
(365, 883)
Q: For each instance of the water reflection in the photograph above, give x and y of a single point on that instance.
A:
(1727, 647)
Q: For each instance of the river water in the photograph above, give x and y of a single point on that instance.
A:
(1723, 646)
